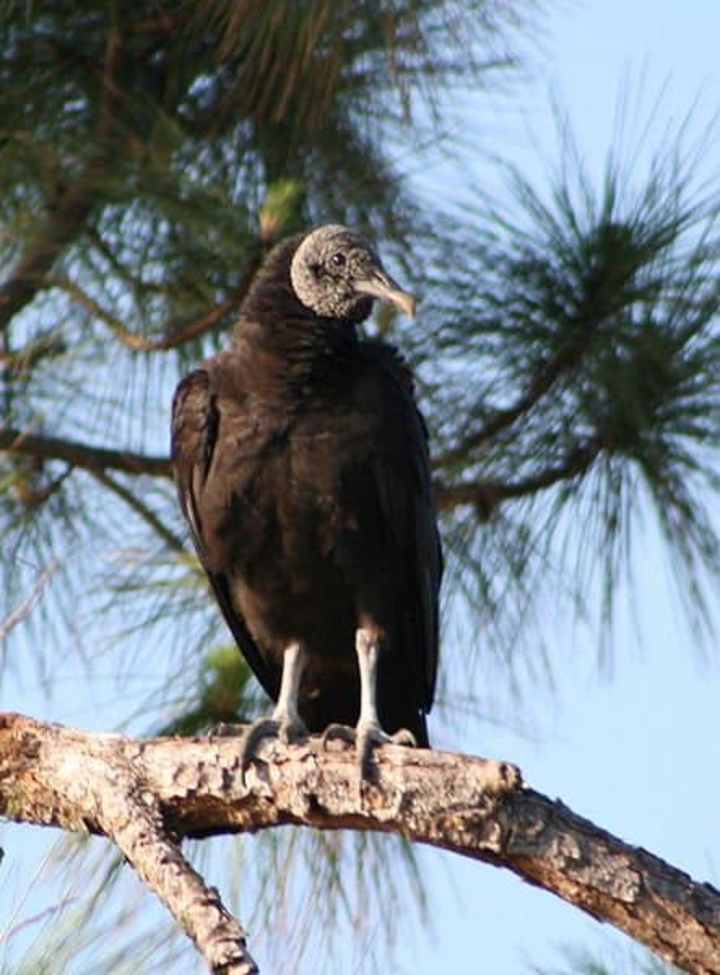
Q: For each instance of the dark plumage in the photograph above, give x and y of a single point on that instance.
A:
(302, 468)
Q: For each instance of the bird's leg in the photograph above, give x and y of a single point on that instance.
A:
(285, 722)
(286, 710)
(369, 731)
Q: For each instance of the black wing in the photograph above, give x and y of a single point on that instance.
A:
(195, 431)
(404, 485)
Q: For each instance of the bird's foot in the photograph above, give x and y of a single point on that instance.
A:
(341, 731)
(287, 729)
(368, 735)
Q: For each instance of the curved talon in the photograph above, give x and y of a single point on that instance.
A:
(287, 731)
(264, 728)
(404, 737)
(290, 732)
(342, 731)
(369, 735)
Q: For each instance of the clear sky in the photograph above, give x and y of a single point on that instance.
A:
(638, 751)
(635, 752)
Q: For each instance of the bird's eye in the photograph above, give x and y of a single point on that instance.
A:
(338, 260)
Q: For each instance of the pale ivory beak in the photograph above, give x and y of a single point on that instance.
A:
(381, 285)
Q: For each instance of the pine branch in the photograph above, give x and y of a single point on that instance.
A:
(69, 211)
(172, 337)
(543, 381)
(62, 225)
(23, 611)
(486, 495)
(82, 455)
(146, 795)
(141, 343)
(170, 538)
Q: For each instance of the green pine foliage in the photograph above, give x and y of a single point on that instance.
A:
(567, 356)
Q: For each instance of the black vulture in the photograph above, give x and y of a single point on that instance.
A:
(302, 467)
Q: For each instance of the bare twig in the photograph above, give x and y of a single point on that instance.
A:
(6, 936)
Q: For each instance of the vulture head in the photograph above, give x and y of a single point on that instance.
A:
(336, 274)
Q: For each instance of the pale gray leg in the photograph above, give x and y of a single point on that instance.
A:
(367, 647)
(285, 722)
(286, 710)
(368, 732)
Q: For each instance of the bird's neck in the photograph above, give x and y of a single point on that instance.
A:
(291, 346)
(296, 352)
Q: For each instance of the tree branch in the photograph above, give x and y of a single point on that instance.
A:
(486, 495)
(25, 608)
(59, 229)
(143, 794)
(540, 384)
(68, 213)
(82, 455)
(173, 338)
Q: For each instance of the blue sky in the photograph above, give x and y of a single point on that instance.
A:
(632, 750)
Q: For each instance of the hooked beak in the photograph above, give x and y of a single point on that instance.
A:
(381, 285)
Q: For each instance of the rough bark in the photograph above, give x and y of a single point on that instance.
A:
(145, 795)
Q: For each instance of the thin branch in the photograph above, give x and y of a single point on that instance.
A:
(24, 359)
(119, 270)
(144, 794)
(69, 212)
(37, 919)
(33, 495)
(112, 96)
(59, 229)
(91, 305)
(486, 495)
(25, 608)
(134, 821)
(82, 455)
(576, 463)
(147, 514)
(206, 323)
(539, 385)
(172, 337)
(141, 343)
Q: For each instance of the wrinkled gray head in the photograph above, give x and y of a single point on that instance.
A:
(336, 273)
